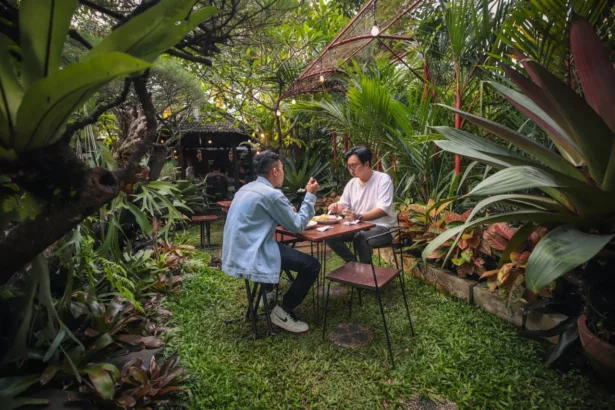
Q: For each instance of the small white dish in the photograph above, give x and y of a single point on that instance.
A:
(311, 225)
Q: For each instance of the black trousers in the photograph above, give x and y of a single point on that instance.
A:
(307, 268)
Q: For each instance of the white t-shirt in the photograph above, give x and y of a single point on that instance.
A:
(376, 193)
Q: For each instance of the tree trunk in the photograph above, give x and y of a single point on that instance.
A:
(156, 161)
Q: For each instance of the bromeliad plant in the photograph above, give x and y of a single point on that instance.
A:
(578, 183)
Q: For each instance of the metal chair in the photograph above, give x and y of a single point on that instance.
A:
(255, 293)
(373, 278)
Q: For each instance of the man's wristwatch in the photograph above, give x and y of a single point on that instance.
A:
(360, 217)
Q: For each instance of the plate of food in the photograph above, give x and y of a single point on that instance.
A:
(327, 219)
(311, 224)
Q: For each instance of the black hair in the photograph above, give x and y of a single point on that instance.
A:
(361, 151)
(264, 162)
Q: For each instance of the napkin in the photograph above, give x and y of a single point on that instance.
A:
(323, 228)
(351, 222)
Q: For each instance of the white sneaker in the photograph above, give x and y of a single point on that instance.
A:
(287, 321)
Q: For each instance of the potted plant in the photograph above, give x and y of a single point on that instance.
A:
(578, 184)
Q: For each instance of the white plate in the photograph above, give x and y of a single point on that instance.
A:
(311, 225)
(331, 222)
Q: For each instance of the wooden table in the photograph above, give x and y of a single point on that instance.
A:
(225, 205)
(318, 238)
(205, 221)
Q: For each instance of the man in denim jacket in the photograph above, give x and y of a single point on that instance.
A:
(249, 250)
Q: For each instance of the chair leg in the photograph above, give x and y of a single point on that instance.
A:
(263, 297)
(403, 292)
(324, 322)
(379, 258)
(351, 298)
(251, 312)
(208, 228)
(386, 328)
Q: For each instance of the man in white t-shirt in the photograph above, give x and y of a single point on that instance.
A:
(367, 197)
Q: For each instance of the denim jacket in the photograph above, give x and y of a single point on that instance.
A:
(249, 250)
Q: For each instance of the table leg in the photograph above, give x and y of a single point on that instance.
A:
(202, 235)
(208, 227)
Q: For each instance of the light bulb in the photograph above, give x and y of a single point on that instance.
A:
(375, 30)
(278, 113)
(293, 101)
(209, 141)
(321, 78)
(200, 141)
(262, 135)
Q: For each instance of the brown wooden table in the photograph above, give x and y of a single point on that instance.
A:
(225, 205)
(315, 237)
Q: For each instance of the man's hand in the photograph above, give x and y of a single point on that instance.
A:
(336, 208)
(350, 216)
(312, 186)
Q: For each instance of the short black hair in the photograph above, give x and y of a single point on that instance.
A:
(361, 151)
(265, 161)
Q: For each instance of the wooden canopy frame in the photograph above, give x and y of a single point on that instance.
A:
(357, 35)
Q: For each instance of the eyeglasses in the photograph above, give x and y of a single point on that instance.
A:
(352, 167)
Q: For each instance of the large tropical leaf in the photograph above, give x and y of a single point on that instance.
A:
(47, 104)
(518, 178)
(560, 251)
(155, 30)
(597, 77)
(463, 140)
(541, 112)
(539, 152)
(43, 27)
(591, 135)
(594, 68)
(11, 94)
(531, 201)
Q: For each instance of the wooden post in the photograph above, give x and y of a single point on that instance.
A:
(345, 144)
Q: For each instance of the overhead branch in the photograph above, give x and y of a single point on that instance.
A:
(98, 111)
(102, 10)
(189, 57)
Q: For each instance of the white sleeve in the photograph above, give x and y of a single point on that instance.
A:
(386, 195)
(345, 198)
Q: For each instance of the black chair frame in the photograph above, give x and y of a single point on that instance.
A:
(378, 292)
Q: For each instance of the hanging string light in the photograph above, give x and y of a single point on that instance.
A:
(278, 113)
(293, 102)
(375, 29)
(322, 77)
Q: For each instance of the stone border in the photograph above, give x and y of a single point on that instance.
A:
(474, 293)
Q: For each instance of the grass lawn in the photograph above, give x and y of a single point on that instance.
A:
(459, 353)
